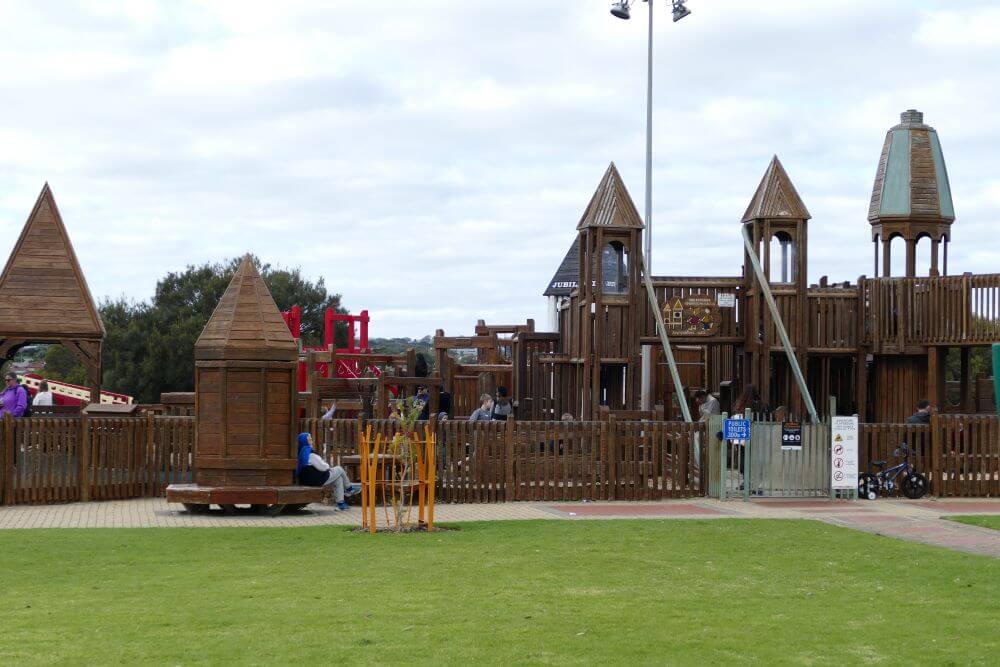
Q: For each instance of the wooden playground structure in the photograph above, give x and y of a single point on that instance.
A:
(874, 346)
(877, 345)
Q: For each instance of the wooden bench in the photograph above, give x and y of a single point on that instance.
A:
(272, 499)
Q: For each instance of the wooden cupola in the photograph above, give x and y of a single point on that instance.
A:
(911, 198)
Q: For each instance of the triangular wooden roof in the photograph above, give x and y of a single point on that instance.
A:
(567, 275)
(246, 324)
(43, 294)
(611, 205)
(776, 197)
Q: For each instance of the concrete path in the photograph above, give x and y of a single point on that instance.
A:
(918, 521)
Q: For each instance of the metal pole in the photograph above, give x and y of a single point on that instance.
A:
(649, 144)
(779, 325)
(661, 328)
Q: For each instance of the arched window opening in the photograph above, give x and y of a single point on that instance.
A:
(925, 248)
(782, 259)
(614, 265)
(897, 256)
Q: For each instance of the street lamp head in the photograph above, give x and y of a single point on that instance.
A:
(621, 9)
(680, 11)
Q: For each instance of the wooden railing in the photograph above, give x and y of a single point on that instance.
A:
(49, 460)
(833, 319)
(901, 312)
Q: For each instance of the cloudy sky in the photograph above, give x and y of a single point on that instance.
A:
(431, 159)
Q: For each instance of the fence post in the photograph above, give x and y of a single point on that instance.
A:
(152, 474)
(509, 482)
(8, 448)
(936, 480)
(84, 475)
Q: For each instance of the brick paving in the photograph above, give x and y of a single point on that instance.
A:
(915, 521)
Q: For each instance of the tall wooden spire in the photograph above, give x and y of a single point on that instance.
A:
(43, 293)
(776, 197)
(246, 324)
(611, 205)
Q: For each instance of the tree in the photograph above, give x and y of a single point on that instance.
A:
(149, 347)
(61, 364)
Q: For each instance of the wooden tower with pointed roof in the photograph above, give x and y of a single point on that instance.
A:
(44, 296)
(777, 221)
(603, 309)
(911, 198)
(245, 364)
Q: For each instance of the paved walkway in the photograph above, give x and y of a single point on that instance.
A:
(918, 521)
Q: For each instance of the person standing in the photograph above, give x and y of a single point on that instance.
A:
(14, 398)
(484, 412)
(708, 405)
(44, 395)
(503, 407)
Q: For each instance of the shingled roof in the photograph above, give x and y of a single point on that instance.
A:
(43, 293)
(776, 197)
(912, 180)
(567, 276)
(611, 205)
(246, 324)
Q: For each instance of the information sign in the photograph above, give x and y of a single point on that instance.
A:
(844, 453)
(725, 300)
(736, 429)
(791, 436)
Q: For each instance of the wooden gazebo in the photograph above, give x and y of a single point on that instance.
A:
(44, 297)
(245, 437)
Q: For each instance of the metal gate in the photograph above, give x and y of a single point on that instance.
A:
(761, 468)
(789, 473)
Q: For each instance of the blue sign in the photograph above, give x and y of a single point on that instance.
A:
(736, 429)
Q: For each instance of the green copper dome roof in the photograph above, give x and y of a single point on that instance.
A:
(912, 181)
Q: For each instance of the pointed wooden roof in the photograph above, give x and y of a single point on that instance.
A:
(43, 294)
(567, 275)
(611, 205)
(246, 324)
(776, 197)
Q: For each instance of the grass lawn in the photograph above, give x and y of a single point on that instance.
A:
(984, 520)
(611, 592)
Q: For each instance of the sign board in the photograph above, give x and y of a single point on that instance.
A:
(791, 436)
(844, 453)
(736, 429)
(725, 300)
(691, 316)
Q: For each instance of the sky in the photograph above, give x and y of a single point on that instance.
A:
(430, 160)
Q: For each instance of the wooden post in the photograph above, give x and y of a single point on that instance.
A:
(431, 463)
(934, 373)
(8, 446)
(84, 476)
(512, 490)
(152, 481)
(936, 483)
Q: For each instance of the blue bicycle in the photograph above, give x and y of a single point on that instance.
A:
(883, 481)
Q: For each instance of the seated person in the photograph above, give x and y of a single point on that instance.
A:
(312, 470)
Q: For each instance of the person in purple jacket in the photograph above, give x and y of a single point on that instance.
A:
(14, 398)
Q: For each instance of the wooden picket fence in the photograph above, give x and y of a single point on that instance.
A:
(58, 459)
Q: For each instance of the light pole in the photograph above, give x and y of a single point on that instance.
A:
(622, 10)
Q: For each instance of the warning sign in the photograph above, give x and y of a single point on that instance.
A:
(791, 436)
(844, 452)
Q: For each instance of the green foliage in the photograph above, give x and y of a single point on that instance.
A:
(149, 348)
(638, 592)
(61, 364)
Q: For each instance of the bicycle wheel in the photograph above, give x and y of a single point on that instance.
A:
(915, 486)
(868, 486)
